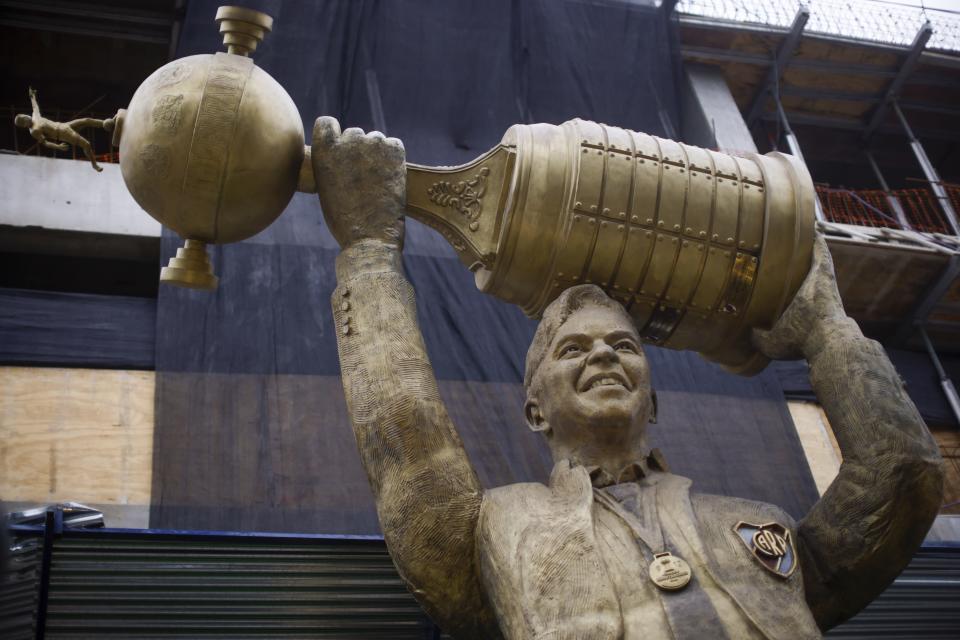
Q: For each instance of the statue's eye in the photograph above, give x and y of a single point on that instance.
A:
(625, 345)
(570, 349)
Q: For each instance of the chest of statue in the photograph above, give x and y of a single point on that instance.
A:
(567, 561)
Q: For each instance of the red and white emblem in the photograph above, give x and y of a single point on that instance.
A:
(771, 544)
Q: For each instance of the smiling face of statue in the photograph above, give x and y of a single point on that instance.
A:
(590, 393)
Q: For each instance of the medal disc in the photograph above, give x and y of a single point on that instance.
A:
(669, 572)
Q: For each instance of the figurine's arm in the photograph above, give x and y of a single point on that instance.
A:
(865, 529)
(52, 145)
(427, 494)
(33, 101)
(83, 123)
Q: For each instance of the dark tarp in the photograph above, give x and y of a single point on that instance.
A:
(915, 369)
(53, 328)
(251, 431)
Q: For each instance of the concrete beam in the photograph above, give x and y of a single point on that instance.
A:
(855, 124)
(709, 54)
(68, 195)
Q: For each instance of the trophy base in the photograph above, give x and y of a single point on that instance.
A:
(190, 268)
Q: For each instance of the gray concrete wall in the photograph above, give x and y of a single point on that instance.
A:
(709, 116)
(68, 195)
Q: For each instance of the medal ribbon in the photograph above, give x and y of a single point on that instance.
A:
(689, 611)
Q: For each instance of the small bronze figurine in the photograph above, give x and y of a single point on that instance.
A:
(57, 135)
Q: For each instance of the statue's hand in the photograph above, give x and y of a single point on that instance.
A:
(361, 180)
(815, 310)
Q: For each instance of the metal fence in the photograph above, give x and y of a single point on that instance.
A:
(872, 208)
(102, 583)
(870, 20)
(105, 583)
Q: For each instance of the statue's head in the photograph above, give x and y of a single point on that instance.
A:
(587, 378)
(23, 120)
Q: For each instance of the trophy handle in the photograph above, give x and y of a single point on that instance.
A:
(465, 204)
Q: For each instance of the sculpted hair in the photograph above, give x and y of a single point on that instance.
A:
(556, 313)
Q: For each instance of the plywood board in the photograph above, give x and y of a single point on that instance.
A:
(76, 434)
(819, 444)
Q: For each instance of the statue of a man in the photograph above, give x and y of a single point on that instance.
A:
(615, 546)
(57, 135)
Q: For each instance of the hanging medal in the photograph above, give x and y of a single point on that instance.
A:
(669, 572)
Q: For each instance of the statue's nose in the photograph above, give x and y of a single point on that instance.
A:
(602, 352)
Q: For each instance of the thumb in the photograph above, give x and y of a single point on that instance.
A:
(326, 132)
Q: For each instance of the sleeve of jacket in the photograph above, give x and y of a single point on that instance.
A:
(427, 494)
(865, 529)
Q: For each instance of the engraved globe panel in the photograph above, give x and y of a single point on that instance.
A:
(266, 152)
(157, 129)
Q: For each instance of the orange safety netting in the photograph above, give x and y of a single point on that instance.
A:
(872, 207)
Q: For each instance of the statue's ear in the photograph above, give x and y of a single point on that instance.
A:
(653, 406)
(534, 416)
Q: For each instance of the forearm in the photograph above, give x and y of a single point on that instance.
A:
(391, 392)
(866, 527)
(428, 497)
(864, 397)
(83, 123)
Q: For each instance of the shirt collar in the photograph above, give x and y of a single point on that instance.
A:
(632, 472)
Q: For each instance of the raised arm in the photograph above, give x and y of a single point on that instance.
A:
(865, 529)
(33, 102)
(427, 494)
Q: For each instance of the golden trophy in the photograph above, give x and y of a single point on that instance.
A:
(699, 246)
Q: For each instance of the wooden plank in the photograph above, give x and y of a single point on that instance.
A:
(76, 434)
(819, 444)
(949, 442)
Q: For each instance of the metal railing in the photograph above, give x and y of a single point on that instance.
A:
(871, 207)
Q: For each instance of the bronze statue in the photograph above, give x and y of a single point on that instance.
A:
(706, 251)
(615, 546)
(57, 135)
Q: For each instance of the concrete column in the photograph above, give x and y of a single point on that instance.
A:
(709, 114)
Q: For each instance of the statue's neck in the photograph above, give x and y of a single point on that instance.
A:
(608, 456)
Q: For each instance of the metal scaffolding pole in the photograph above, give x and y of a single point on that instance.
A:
(891, 199)
(948, 389)
(794, 145)
(780, 62)
(930, 172)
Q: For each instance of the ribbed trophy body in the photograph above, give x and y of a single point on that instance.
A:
(699, 246)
